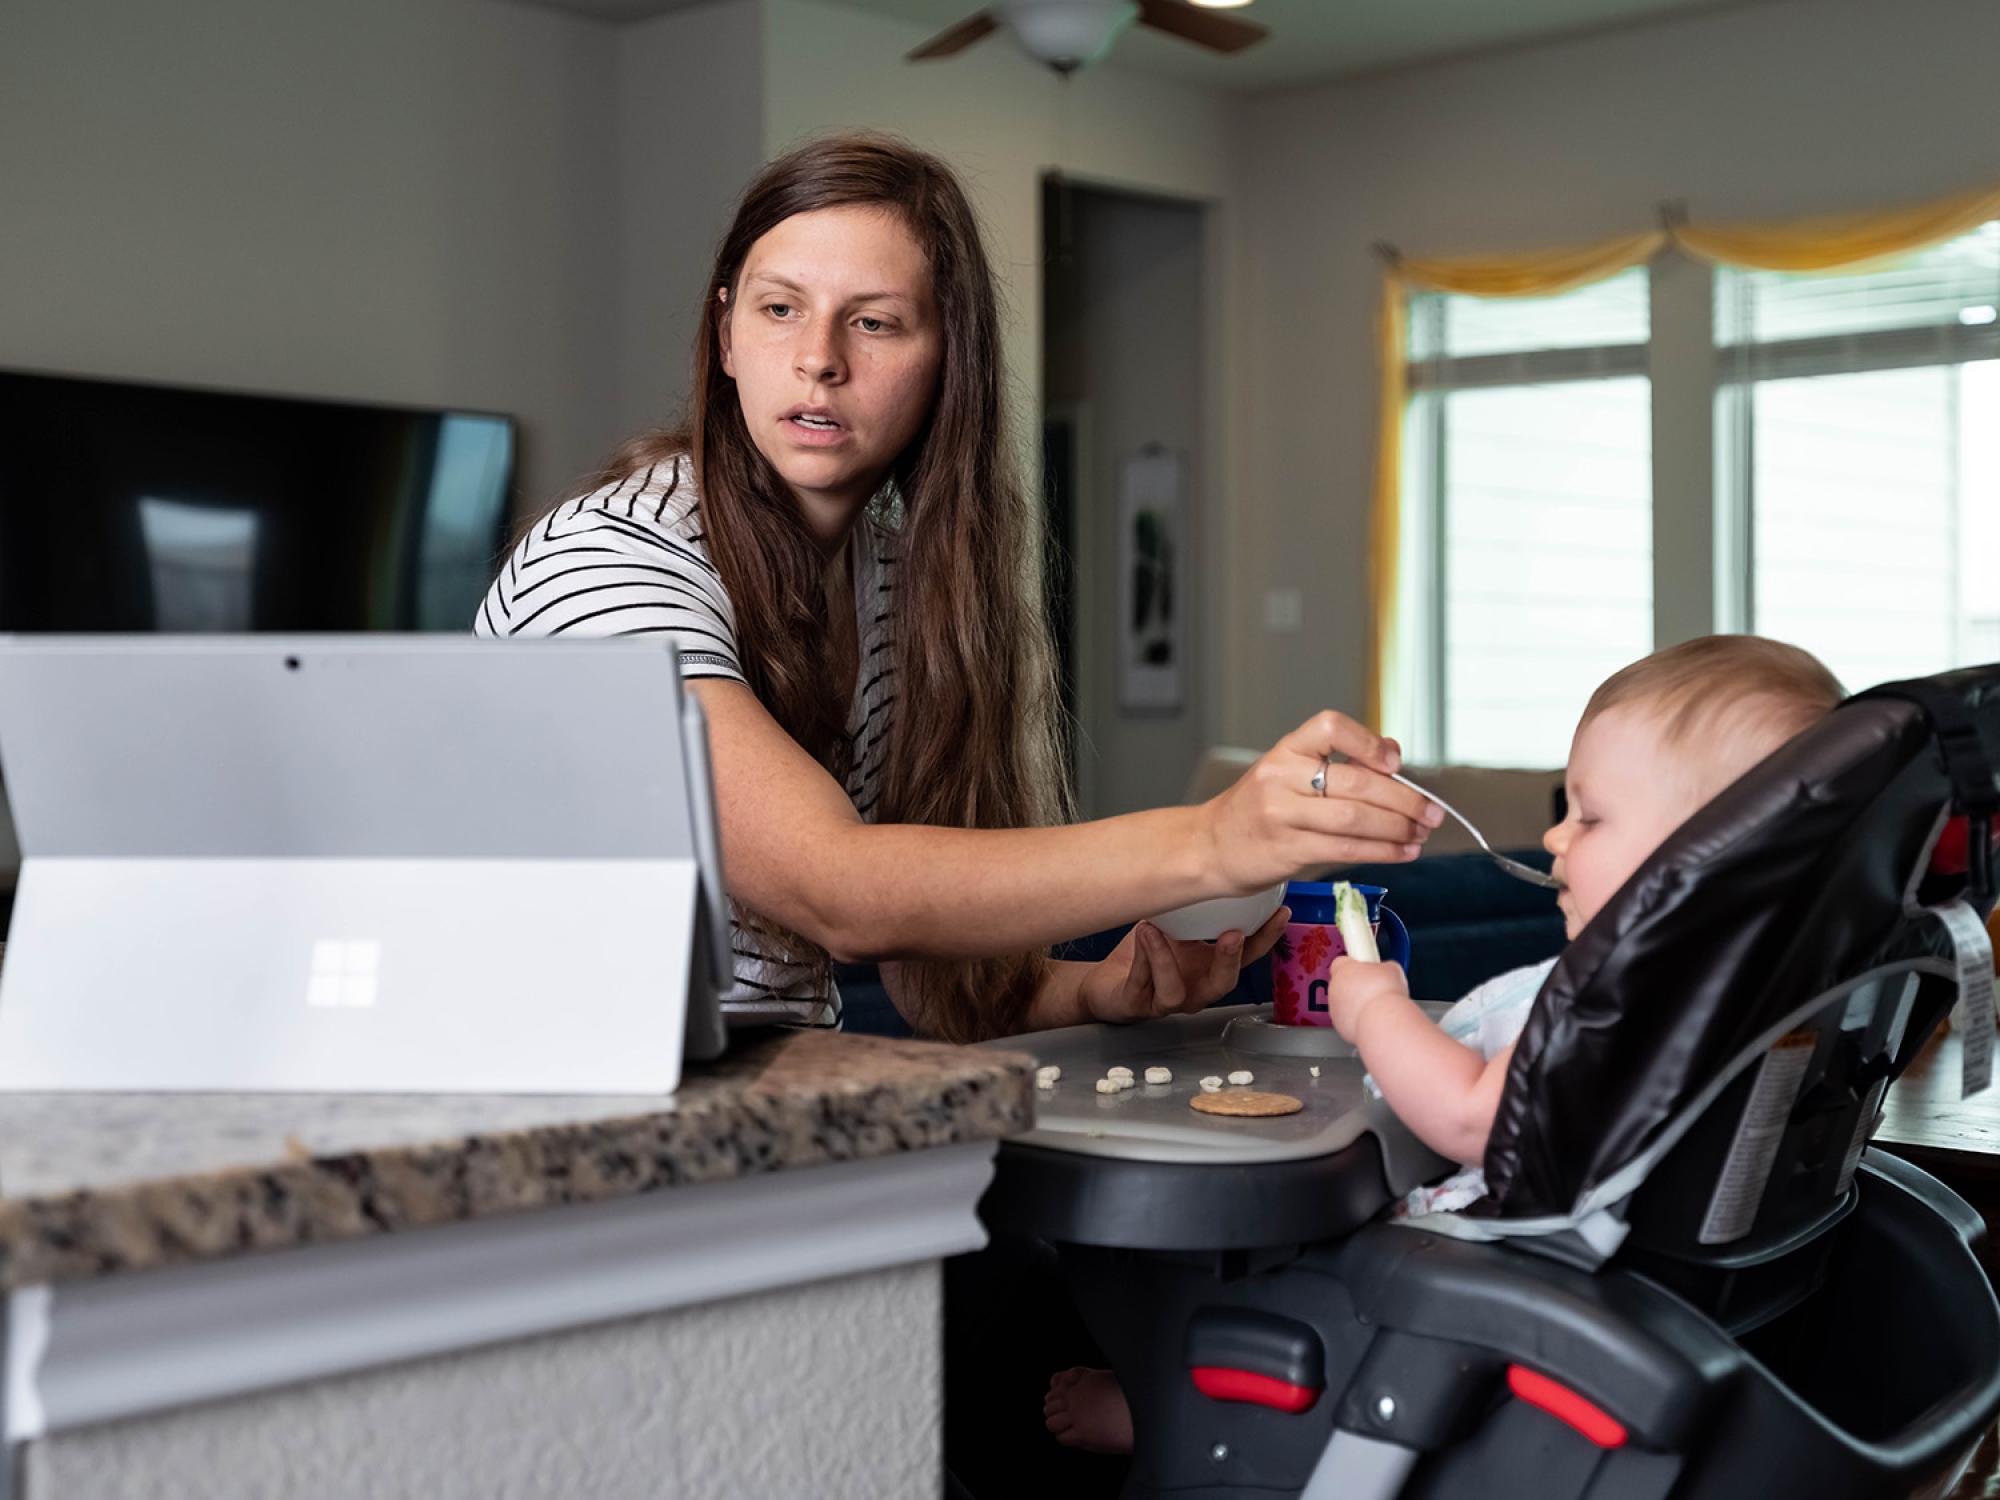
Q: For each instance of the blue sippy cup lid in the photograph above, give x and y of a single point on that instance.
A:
(1312, 900)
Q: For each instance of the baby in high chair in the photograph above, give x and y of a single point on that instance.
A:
(1657, 740)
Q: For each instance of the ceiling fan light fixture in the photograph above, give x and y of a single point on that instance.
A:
(1066, 34)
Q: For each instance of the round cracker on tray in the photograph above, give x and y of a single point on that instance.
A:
(1249, 1104)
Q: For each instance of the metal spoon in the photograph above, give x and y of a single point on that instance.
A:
(1512, 866)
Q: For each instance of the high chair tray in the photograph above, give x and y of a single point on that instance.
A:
(1142, 1170)
(1155, 1123)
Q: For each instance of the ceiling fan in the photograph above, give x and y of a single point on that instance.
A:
(1070, 34)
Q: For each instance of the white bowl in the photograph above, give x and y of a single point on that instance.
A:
(1204, 921)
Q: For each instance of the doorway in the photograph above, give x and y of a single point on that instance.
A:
(1124, 449)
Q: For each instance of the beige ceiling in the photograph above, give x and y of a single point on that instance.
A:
(1315, 39)
(1310, 39)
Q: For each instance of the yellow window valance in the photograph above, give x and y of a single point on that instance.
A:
(1835, 242)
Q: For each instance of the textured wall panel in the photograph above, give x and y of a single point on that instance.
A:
(824, 1391)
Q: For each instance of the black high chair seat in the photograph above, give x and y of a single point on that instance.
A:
(1689, 1275)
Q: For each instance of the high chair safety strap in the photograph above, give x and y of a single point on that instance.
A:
(1968, 762)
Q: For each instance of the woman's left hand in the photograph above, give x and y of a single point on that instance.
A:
(1150, 974)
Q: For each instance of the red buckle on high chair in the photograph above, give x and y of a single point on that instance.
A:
(1950, 857)
(1565, 1405)
(1219, 1383)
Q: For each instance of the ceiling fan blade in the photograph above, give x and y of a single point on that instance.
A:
(1205, 28)
(957, 38)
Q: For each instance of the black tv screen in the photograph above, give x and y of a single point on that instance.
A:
(139, 508)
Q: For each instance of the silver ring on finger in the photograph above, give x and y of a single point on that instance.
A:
(1318, 783)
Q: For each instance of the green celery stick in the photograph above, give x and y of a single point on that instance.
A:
(1350, 910)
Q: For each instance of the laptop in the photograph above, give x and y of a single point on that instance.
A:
(380, 863)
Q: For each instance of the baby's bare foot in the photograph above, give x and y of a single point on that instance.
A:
(1086, 1409)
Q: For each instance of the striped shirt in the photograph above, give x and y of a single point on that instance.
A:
(630, 559)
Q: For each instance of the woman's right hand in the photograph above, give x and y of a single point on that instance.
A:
(1271, 824)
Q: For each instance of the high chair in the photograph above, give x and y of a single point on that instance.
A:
(1690, 1275)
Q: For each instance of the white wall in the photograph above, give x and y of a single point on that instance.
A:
(1766, 111)
(378, 200)
(690, 134)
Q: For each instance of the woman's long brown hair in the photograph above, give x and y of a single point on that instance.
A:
(976, 737)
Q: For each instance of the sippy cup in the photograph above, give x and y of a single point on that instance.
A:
(1300, 962)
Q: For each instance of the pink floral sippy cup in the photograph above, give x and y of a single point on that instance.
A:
(1304, 955)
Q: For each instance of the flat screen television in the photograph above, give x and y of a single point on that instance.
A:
(155, 508)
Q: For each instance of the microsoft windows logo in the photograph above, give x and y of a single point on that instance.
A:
(343, 973)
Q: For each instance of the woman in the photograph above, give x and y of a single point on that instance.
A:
(837, 544)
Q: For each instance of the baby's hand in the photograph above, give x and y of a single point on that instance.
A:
(1352, 986)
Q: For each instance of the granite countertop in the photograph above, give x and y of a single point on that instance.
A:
(93, 1184)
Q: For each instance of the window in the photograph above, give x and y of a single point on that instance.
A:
(1860, 460)
(1528, 504)
(1856, 499)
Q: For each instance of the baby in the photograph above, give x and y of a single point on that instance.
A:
(1656, 741)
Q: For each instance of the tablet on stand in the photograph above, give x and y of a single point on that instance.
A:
(382, 864)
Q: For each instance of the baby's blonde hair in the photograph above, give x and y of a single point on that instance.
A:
(1736, 697)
